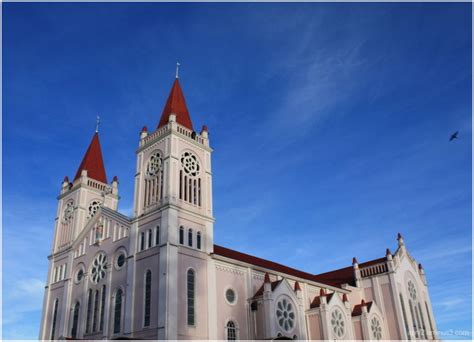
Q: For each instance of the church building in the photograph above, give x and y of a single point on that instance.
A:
(159, 275)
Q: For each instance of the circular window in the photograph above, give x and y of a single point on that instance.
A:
(337, 323)
(285, 314)
(120, 261)
(230, 296)
(376, 328)
(154, 164)
(190, 164)
(67, 216)
(99, 267)
(93, 207)
(79, 275)
(411, 290)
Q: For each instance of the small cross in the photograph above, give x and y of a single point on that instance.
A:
(97, 124)
(177, 69)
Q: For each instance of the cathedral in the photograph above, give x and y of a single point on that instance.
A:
(159, 275)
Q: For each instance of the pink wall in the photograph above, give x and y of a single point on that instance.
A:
(390, 317)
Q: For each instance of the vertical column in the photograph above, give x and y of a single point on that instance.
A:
(212, 299)
(108, 293)
(168, 280)
(46, 302)
(130, 286)
(66, 304)
(397, 306)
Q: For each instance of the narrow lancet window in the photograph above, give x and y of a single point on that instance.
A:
(89, 311)
(55, 316)
(190, 237)
(147, 299)
(181, 235)
(198, 240)
(191, 297)
(102, 309)
(75, 320)
(118, 311)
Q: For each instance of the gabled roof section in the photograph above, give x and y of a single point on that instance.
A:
(358, 308)
(176, 104)
(274, 285)
(316, 303)
(334, 278)
(250, 259)
(344, 275)
(93, 162)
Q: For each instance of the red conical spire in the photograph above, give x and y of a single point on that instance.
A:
(92, 162)
(176, 105)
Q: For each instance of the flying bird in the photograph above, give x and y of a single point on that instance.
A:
(454, 136)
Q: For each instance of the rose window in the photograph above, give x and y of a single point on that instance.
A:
(99, 267)
(376, 328)
(337, 323)
(190, 164)
(154, 164)
(93, 207)
(285, 315)
(68, 211)
(412, 290)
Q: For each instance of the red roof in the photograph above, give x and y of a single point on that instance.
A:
(316, 303)
(93, 162)
(274, 285)
(358, 308)
(344, 275)
(334, 278)
(250, 259)
(176, 105)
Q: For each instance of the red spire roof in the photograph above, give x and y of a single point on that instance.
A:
(297, 286)
(267, 278)
(176, 105)
(92, 162)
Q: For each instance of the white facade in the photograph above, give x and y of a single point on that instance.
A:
(158, 274)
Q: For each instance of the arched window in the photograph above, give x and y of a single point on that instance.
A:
(157, 235)
(429, 320)
(422, 321)
(96, 311)
(142, 241)
(405, 320)
(190, 237)
(75, 320)
(231, 331)
(118, 311)
(146, 321)
(198, 240)
(150, 238)
(55, 316)
(418, 323)
(102, 309)
(413, 317)
(89, 312)
(191, 291)
(181, 235)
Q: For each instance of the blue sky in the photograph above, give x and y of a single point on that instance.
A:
(330, 124)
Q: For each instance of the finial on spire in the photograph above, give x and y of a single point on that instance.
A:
(177, 69)
(97, 124)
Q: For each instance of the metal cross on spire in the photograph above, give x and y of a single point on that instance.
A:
(177, 69)
(97, 124)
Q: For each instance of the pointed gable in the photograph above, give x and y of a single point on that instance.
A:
(176, 105)
(93, 162)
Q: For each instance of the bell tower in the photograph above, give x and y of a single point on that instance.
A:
(80, 199)
(173, 192)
